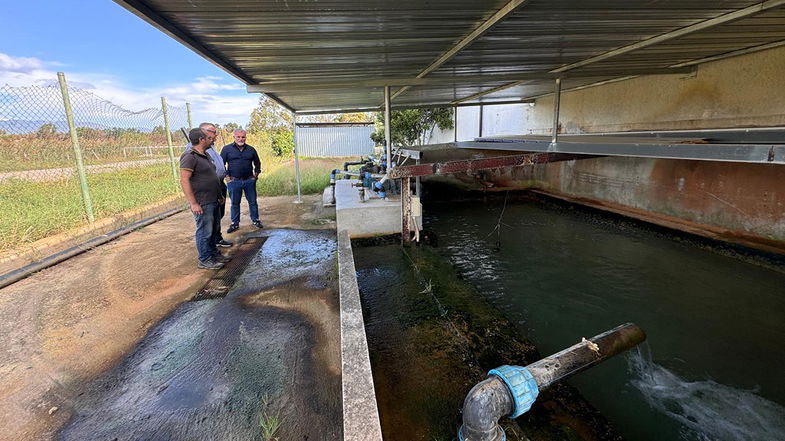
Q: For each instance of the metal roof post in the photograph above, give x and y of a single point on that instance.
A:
(480, 120)
(556, 103)
(296, 157)
(387, 134)
(455, 123)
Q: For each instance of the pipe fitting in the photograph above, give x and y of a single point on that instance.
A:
(511, 390)
(521, 385)
(488, 401)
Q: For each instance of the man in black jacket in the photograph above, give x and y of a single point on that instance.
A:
(242, 169)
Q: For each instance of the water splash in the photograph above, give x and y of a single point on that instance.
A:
(709, 411)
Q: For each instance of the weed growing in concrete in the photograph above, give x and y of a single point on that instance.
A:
(270, 425)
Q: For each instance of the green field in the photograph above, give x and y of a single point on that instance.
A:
(35, 210)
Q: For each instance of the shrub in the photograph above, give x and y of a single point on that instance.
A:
(283, 143)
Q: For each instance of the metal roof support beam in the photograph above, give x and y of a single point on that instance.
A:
(467, 40)
(745, 51)
(676, 70)
(447, 80)
(470, 165)
(753, 153)
(586, 86)
(151, 16)
(404, 106)
(741, 13)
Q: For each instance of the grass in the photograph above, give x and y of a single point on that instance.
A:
(279, 178)
(270, 425)
(35, 210)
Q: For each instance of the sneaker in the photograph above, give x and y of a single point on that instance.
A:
(210, 264)
(232, 228)
(224, 243)
(257, 224)
(221, 258)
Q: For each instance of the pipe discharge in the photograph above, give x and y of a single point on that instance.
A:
(511, 390)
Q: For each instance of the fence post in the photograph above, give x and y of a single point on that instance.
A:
(188, 109)
(169, 140)
(80, 168)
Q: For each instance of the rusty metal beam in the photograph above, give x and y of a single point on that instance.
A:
(470, 165)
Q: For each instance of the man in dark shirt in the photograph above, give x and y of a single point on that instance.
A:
(242, 170)
(202, 190)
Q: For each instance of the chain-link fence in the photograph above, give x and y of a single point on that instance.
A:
(74, 165)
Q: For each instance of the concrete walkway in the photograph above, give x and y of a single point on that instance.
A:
(67, 326)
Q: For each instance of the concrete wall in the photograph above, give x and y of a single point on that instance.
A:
(726, 200)
(742, 91)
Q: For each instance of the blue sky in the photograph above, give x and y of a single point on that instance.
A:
(109, 51)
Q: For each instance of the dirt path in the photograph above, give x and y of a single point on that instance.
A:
(55, 174)
(63, 327)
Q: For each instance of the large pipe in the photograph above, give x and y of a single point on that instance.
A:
(511, 390)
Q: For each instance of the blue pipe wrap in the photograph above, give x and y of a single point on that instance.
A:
(522, 386)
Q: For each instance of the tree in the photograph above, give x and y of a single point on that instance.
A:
(412, 126)
(269, 117)
(354, 117)
(46, 130)
(232, 126)
(283, 143)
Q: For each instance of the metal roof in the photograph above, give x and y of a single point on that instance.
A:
(337, 55)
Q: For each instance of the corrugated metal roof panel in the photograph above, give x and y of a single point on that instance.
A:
(319, 42)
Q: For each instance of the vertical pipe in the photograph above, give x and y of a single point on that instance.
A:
(417, 187)
(296, 157)
(387, 134)
(188, 109)
(80, 168)
(406, 210)
(455, 121)
(556, 103)
(480, 120)
(169, 139)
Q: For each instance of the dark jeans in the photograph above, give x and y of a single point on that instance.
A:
(205, 235)
(236, 188)
(221, 212)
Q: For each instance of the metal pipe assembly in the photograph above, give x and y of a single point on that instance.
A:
(511, 390)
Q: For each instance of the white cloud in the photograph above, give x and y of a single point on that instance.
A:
(21, 65)
(212, 98)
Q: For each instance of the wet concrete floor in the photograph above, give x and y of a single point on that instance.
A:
(215, 368)
(431, 337)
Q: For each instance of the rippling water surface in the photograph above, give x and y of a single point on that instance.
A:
(713, 365)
